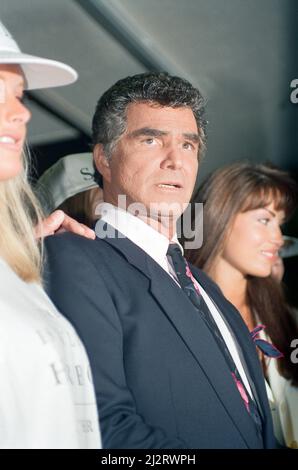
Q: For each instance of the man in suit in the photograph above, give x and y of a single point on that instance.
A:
(173, 364)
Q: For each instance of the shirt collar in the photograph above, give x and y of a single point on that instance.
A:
(136, 230)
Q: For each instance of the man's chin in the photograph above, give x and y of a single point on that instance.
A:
(167, 209)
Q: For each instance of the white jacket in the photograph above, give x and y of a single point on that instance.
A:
(283, 400)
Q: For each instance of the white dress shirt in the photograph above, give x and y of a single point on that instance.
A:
(156, 245)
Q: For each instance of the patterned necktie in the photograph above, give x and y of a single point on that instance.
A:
(268, 349)
(188, 285)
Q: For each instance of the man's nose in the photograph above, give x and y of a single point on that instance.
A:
(172, 158)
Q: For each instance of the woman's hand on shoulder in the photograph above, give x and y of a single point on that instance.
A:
(58, 222)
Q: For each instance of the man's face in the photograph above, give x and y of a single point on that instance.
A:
(155, 161)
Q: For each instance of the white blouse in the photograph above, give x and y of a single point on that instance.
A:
(47, 398)
(283, 400)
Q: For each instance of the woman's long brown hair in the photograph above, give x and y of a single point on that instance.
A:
(238, 188)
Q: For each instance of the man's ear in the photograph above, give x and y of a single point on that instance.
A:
(101, 162)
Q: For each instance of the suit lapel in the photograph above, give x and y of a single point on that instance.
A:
(240, 333)
(194, 333)
(199, 340)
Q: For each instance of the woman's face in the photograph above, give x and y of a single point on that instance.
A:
(254, 240)
(13, 120)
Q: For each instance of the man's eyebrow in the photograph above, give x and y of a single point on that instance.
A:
(147, 131)
(151, 132)
(192, 136)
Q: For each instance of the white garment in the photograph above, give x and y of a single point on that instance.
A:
(156, 245)
(46, 393)
(283, 400)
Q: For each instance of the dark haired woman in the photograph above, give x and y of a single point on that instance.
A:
(244, 208)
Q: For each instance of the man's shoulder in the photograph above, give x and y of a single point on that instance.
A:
(68, 240)
(68, 247)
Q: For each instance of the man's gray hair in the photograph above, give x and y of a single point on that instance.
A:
(158, 88)
(109, 121)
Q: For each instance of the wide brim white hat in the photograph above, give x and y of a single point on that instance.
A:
(39, 72)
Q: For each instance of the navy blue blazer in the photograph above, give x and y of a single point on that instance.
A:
(160, 379)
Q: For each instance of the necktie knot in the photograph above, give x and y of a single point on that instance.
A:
(180, 264)
(174, 250)
(184, 274)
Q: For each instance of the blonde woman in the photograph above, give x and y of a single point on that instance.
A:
(47, 398)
